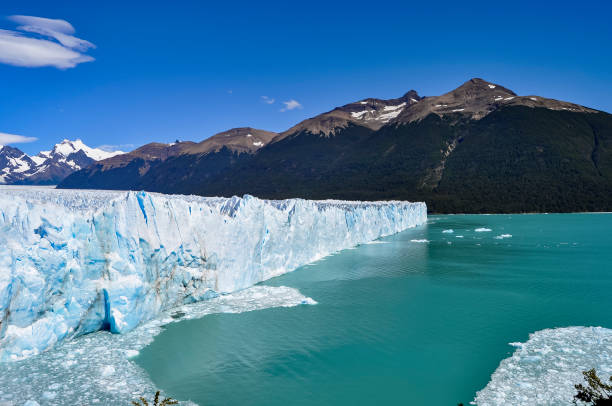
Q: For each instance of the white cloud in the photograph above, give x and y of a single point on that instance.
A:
(61, 30)
(267, 100)
(15, 139)
(59, 49)
(291, 105)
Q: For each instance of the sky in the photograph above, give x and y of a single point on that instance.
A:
(120, 74)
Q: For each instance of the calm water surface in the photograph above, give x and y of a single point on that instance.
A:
(399, 321)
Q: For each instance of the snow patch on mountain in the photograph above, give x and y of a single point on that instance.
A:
(386, 114)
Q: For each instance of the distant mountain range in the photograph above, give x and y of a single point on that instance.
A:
(478, 148)
(47, 167)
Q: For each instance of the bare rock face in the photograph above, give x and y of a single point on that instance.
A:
(370, 113)
(241, 140)
(476, 98)
(148, 152)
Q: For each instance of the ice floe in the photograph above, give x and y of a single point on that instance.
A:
(544, 370)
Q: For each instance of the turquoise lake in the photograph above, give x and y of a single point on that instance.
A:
(400, 321)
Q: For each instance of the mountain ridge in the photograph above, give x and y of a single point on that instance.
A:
(407, 148)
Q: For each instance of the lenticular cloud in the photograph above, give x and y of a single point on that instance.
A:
(42, 42)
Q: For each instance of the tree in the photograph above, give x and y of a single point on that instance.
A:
(165, 402)
(596, 393)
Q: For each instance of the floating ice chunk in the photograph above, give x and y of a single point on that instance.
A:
(544, 370)
(502, 236)
(449, 231)
(49, 395)
(131, 353)
(31, 403)
(420, 241)
(107, 371)
(482, 230)
(458, 236)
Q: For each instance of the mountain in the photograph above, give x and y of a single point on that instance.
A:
(479, 148)
(370, 113)
(14, 164)
(48, 167)
(477, 98)
(155, 161)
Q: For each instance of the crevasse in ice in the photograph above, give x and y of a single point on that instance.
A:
(73, 262)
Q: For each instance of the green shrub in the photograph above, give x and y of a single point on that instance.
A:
(596, 393)
(156, 402)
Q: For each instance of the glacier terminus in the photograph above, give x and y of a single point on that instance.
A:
(73, 261)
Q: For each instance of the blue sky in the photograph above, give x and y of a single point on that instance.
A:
(166, 70)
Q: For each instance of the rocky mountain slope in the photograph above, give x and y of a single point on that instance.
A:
(143, 165)
(478, 148)
(48, 167)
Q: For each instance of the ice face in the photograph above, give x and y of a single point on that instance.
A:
(96, 369)
(544, 370)
(74, 262)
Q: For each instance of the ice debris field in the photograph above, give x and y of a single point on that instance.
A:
(75, 262)
(544, 370)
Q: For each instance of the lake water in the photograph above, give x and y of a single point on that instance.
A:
(420, 318)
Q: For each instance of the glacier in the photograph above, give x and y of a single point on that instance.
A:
(74, 262)
(98, 368)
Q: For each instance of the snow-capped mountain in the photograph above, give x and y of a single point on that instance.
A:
(14, 164)
(48, 167)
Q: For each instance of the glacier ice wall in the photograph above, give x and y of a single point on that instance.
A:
(73, 262)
